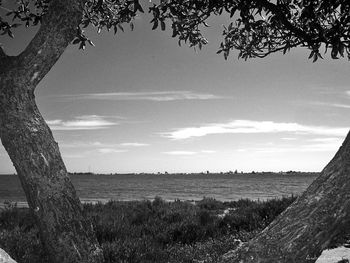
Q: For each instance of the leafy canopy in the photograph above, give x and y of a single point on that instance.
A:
(256, 28)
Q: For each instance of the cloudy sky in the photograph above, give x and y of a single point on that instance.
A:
(137, 102)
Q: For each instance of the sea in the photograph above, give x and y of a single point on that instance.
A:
(190, 187)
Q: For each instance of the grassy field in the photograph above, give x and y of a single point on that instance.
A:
(152, 231)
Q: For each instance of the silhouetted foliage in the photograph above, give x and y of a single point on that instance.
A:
(255, 28)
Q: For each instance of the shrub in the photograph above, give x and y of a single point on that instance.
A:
(157, 231)
(210, 204)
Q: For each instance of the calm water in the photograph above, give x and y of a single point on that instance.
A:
(170, 187)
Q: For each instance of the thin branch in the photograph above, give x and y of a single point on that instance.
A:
(278, 49)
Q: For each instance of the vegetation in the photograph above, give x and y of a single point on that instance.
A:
(157, 231)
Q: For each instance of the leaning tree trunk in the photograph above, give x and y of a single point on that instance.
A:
(308, 226)
(67, 236)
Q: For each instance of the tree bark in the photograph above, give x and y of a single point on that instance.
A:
(67, 236)
(307, 227)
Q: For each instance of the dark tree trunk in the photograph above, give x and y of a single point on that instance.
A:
(308, 226)
(67, 236)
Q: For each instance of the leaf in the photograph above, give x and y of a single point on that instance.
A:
(36, 21)
(132, 26)
(82, 45)
(10, 34)
(319, 55)
(226, 53)
(138, 6)
(155, 24)
(162, 25)
(311, 54)
(205, 24)
(174, 32)
(120, 27)
(76, 41)
(341, 49)
(233, 11)
(91, 43)
(326, 48)
(334, 52)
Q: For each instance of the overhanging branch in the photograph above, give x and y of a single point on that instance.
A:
(56, 32)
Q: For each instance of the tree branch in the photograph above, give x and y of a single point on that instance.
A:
(56, 32)
(278, 49)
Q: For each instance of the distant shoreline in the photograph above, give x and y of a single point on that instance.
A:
(291, 173)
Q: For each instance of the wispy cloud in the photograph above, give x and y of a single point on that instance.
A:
(85, 122)
(149, 96)
(97, 144)
(330, 104)
(133, 144)
(320, 144)
(180, 153)
(336, 140)
(308, 147)
(289, 138)
(208, 151)
(110, 150)
(253, 127)
(189, 152)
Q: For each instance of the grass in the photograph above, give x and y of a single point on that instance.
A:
(152, 231)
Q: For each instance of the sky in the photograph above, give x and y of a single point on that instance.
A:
(137, 102)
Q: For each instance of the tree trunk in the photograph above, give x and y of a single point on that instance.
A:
(307, 227)
(67, 236)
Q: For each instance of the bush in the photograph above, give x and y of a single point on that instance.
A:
(157, 231)
(210, 204)
(209, 251)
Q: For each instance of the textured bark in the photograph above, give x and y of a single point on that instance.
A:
(66, 235)
(308, 226)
